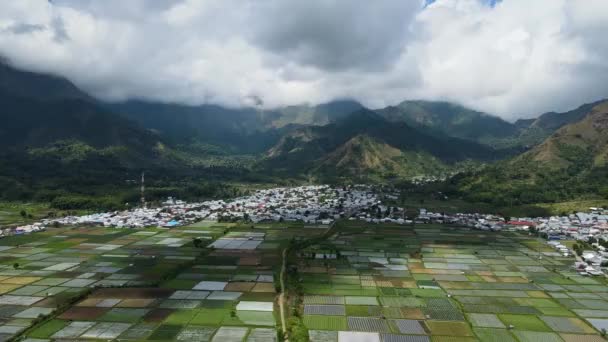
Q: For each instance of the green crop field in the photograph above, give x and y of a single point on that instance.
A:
(435, 282)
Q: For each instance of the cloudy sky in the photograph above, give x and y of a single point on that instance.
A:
(513, 58)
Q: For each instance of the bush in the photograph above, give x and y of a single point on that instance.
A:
(74, 202)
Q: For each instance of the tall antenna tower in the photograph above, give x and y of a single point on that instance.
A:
(143, 189)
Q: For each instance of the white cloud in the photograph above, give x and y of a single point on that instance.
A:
(518, 58)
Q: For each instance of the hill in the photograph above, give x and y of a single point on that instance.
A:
(534, 131)
(569, 164)
(234, 130)
(58, 142)
(585, 141)
(363, 158)
(316, 150)
(42, 87)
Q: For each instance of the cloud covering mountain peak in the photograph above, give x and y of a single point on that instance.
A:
(514, 58)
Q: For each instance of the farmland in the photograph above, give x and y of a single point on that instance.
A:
(149, 284)
(435, 283)
(350, 282)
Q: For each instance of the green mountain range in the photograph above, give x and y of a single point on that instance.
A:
(570, 163)
(57, 140)
(450, 119)
(327, 152)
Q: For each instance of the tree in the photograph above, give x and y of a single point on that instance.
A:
(16, 265)
(23, 213)
(197, 242)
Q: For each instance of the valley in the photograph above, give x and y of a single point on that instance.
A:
(83, 154)
(304, 171)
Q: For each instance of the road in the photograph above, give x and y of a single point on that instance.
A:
(282, 295)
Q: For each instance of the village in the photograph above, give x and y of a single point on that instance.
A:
(322, 205)
(210, 268)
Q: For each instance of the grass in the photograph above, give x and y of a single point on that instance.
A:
(165, 332)
(318, 322)
(179, 284)
(182, 317)
(357, 310)
(449, 328)
(10, 212)
(493, 335)
(573, 206)
(48, 328)
(210, 316)
(524, 322)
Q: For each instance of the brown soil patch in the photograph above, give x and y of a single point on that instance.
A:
(250, 261)
(82, 313)
(412, 313)
(89, 302)
(49, 302)
(136, 303)
(263, 287)
(128, 293)
(408, 284)
(239, 286)
(271, 260)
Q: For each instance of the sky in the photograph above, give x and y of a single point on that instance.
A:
(511, 58)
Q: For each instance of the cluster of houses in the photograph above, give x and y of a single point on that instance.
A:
(578, 226)
(323, 204)
(320, 204)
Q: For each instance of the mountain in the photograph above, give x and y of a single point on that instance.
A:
(42, 87)
(242, 130)
(318, 115)
(534, 131)
(238, 130)
(584, 141)
(39, 109)
(315, 149)
(30, 122)
(364, 158)
(63, 147)
(450, 119)
(570, 163)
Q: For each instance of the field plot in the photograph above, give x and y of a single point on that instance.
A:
(440, 283)
(99, 283)
(363, 283)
